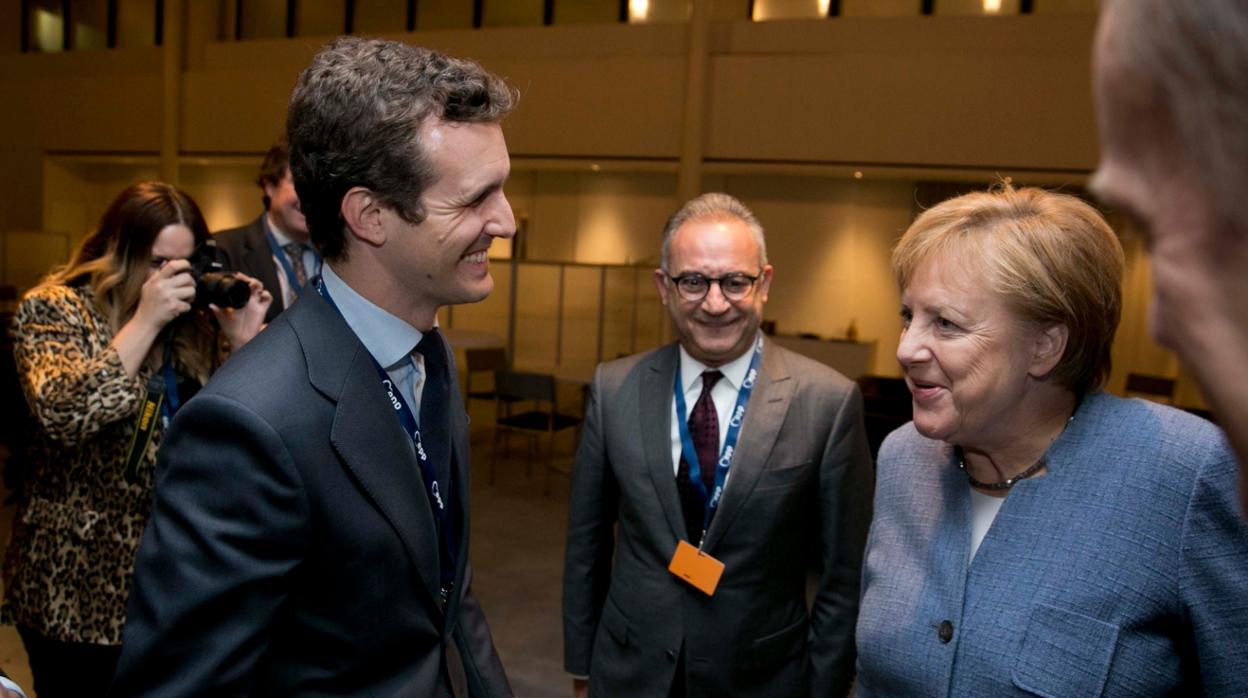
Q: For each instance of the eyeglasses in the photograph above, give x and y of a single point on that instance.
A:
(735, 286)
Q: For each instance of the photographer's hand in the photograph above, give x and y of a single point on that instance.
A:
(166, 294)
(239, 326)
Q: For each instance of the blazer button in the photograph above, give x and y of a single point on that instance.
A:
(945, 631)
(671, 655)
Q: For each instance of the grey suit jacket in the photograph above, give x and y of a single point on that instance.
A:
(245, 249)
(800, 488)
(292, 550)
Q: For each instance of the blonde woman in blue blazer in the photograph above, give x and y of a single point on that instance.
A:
(1033, 536)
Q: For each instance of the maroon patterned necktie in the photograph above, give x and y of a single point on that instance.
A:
(704, 428)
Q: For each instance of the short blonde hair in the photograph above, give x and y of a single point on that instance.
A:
(1050, 257)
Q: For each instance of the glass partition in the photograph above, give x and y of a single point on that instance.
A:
(564, 318)
(538, 291)
(580, 334)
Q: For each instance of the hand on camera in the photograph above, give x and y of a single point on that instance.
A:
(240, 325)
(166, 294)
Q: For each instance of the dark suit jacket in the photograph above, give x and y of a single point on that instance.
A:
(292, 550)
(245, 249)
(801, 480)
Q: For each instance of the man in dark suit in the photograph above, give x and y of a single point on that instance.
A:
(310, 529)
(700, 595)
(274, 248)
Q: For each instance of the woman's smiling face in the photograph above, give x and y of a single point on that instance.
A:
(965, 355)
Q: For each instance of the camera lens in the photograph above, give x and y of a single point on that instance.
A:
(222, 290)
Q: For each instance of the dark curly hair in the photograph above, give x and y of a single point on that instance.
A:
(273, 168)
(354, 120)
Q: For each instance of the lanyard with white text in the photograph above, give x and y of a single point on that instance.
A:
(284, 259)
(408, 420)
(690, 453)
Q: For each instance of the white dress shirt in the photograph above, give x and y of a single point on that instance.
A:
(724, 394)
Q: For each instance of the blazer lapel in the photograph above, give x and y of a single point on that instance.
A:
(655, 415)
(764, 415)
(367, 436)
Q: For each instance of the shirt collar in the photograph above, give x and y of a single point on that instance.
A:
(281, 238)
(734, 371)
(389, 339)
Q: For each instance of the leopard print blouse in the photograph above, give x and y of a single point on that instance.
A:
(69, 564)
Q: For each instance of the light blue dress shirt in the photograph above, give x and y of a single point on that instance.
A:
(391, 340)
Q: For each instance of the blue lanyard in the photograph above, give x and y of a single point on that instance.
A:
(171, 404)
(408, 421)
(690, 453)
(283, 259)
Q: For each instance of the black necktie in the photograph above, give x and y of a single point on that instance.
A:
(704, 428)
(435, 425)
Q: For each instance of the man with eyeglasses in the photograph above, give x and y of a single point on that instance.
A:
(711, 474)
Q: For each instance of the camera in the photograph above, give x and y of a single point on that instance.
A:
(212, 284)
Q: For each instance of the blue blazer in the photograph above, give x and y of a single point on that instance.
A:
(1121, 572)
(292, 550)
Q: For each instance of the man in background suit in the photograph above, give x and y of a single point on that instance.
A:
(1171, 82)
(796, 473)
(274, 248)
(310, 528)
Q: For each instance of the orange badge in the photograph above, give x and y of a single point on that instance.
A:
(696, 567)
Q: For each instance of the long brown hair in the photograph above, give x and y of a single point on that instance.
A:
(114, 258)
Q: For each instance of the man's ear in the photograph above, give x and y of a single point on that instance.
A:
(1048, 347)
(764, 283)
(270, 190)
(660, 282)
(364, 216)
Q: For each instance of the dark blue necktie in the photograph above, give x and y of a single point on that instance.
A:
(435, 426)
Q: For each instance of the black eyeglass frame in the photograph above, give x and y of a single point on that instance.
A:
(717, 280)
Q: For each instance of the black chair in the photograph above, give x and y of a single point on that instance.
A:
(1156, 388)
(543, 419)
(886, 405)
(483, 361)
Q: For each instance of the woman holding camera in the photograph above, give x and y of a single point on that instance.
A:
(107, 348)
